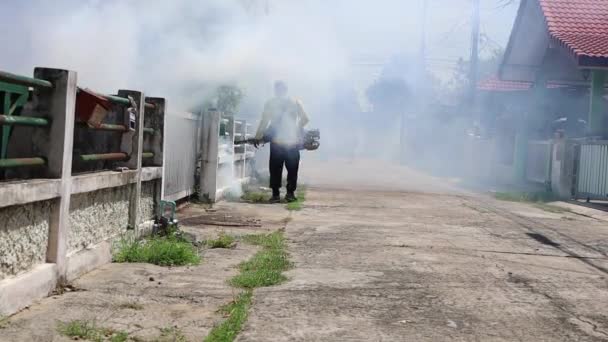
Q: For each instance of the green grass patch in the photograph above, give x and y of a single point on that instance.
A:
(297, 205)
(163, 251)
(530, 197)
(88, 330)
(266, 267)
(255, 196)
(236, 312)
(223, 241)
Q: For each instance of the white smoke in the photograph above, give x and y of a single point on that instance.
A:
(183, 49)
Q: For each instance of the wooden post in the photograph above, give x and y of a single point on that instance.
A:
(596, 107)
(209, 154)
(60, 101)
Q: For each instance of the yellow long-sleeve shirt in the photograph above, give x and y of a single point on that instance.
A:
(286, 116)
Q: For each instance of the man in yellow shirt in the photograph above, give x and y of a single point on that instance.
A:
(282, 124)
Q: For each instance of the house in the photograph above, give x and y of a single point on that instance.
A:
(564, 42)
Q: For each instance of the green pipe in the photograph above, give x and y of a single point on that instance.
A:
(104, 156)
(125, 101)
(110, 127)
(17, 162)
(149, 130)
(23, 80)
(118, 99)
(23, 120)
(146, 155)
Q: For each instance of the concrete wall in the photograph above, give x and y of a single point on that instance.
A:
(147, 204)
(98, 215)
(23, 237)
(562, 167)
(57, 224)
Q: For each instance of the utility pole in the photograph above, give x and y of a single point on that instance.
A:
(419, 79)
(425, 5)
(473, 71)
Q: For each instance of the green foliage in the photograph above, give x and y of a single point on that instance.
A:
(223, 241)
(236, 312)
(267, 266)
(164, 251)
(229, 98)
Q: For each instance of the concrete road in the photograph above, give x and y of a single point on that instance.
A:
(428, 263)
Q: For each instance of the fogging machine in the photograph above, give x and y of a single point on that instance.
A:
(310, 140)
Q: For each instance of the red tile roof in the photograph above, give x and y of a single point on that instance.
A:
(579, 25)
(497, 85)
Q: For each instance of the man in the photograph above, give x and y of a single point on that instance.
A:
(282, 124)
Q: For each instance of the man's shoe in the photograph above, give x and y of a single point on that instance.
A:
(290, 197)
(276, 197)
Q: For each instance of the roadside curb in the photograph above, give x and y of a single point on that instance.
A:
(583, 210)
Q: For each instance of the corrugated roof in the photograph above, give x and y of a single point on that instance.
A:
(579, 25)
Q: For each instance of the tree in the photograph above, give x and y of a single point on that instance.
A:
(388, 95)
(228, 98)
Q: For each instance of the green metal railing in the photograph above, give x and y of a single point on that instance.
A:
(104, 156)
(125, 101)
(112, 128)
(23, 121)
(7, 163)
(24, 81)
(15, 90)
(16, 93)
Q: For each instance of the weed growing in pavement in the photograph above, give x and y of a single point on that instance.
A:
(223, 241)
(159, 250)
(255, 196)
(236, 313)
(266, 267)
(301, 197)
(88, 330)
(171, 334)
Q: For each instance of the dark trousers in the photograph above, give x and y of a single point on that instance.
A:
(284, 155)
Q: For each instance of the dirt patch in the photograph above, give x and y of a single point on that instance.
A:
(222, 220)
